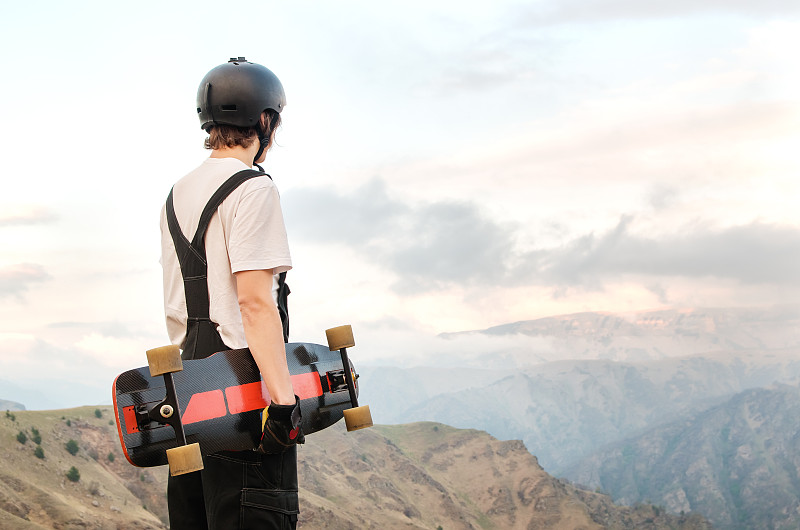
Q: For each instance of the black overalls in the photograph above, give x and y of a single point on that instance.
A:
(236, 490)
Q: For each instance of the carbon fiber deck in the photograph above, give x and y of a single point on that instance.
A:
(221, 398)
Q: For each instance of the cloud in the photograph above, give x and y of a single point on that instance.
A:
(110, 329)
(26, 215)
(565, 11)
(490, 62)
(436, 245)
(16, 279)
(428, 244)
(750, 254)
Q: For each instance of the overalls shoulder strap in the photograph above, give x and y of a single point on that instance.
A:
(202, 337)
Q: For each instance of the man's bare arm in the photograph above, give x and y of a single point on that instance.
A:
(264, 332)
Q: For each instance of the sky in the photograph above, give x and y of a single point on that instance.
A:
(443, 166)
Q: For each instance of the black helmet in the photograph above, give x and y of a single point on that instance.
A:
(236, 93)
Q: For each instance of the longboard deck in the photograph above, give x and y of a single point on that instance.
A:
(221, 399)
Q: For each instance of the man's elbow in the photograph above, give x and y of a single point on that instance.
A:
(254, 308)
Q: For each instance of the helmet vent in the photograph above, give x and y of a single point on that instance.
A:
(228, 107)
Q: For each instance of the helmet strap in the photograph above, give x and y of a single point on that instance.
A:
(263, 141)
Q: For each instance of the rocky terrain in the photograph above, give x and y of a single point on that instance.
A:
(421, 475)
(737, 463)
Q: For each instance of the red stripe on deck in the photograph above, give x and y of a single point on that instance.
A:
(204, 406)
(247, 397)
(307, 385)
(253, 396)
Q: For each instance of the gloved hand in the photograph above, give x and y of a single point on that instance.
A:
(281, 428)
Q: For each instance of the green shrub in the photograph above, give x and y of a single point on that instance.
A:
(72, 447)
(35, 436)
(22, 437)
(11, 416)
(98, 413)
(111, 457)
(73, 475)
(39, 452)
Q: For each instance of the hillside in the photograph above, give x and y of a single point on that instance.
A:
(737, 463)
(36, 493)
(407, 476)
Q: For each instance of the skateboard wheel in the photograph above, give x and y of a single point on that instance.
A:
(165, 359)
(358, 418)
(341, 337)
(184, 459)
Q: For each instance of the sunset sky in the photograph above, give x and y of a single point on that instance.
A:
(443, 166)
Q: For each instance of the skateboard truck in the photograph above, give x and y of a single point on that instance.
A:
(184, 458)
(335, 381)
(356, 417)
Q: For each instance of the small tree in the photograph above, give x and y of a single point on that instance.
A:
(72, 447)
(73, 475)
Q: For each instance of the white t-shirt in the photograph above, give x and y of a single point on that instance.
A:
(246, 233)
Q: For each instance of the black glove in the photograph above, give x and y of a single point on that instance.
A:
(282, 428)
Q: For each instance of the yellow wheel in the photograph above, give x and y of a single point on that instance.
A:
(164, 360)
(184, 459)
(358, 418)
(341, 337)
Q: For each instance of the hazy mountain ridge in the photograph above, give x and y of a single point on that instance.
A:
(405, 476)
(641, 336)
(737, 462)
(11, 405)
(564, 411)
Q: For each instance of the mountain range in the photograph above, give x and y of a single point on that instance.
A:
(651, 407)
(630, 376)
(422, 475)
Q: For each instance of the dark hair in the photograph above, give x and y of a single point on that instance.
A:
(222, 136)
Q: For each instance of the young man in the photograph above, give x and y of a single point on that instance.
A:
(225, 256)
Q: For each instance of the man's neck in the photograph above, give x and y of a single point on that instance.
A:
(238, 152)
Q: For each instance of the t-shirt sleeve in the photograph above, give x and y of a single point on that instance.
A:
(258, 235)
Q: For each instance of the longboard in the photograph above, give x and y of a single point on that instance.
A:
(218, 401)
